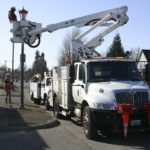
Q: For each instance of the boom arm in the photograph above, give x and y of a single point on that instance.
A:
(86, 50)
(29, 32)
(117, 13)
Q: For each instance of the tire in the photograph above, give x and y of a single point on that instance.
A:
(32, 97)
(56, 108)
(35, 100)
(38, 101)
(89, 125)
(47, 106)
(44, 99)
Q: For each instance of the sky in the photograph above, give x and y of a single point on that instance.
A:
(135, 34)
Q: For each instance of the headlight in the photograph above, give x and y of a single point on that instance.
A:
(105, 106)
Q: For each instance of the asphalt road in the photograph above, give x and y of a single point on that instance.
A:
(66, 135)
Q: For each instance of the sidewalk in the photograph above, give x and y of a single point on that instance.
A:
(12, 117)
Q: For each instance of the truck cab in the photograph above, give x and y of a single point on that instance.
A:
(104, 78)
(101, 85)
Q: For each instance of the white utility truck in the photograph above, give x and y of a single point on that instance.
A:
(91, 91)
(100, 93)
(39, 89)
(35, 89)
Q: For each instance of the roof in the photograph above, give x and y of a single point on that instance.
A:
(146, 53)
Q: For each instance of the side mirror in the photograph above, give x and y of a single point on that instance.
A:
(147, 73)
(71, 73)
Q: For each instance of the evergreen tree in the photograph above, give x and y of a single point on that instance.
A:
(116, 49)
(39, 65)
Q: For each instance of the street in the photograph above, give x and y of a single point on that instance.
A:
(66, 135)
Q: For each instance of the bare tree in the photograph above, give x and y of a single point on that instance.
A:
(67, 54)
(134, 53)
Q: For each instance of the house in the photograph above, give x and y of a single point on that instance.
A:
(144, 58)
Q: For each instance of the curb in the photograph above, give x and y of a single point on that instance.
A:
(48, 124)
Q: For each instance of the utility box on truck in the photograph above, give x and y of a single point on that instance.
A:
(63, 87)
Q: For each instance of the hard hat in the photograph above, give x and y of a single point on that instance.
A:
(13, 8)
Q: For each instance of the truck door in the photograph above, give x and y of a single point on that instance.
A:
(79, 83)
(47, 85)
(42, 88)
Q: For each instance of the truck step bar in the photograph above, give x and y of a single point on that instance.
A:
(76, 120)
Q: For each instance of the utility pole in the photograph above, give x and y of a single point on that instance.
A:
(22, 60)
(23, 13)
(13, 44)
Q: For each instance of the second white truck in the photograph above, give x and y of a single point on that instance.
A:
(35, 89)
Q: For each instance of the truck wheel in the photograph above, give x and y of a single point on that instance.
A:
(56, 108)
(38, 101)
(47, 106)
(35, 100)
(89, 124)
(32, 97)
(44, 99)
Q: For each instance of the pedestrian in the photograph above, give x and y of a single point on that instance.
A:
(7, 86)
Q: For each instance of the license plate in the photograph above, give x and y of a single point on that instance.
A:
(135, 122)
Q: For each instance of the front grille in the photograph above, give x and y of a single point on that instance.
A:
(138, 99)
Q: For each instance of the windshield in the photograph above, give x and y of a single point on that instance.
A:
(112, 71)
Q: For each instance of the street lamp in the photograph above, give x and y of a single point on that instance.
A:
(23, 14)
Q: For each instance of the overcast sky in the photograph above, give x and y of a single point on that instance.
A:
(135, 34)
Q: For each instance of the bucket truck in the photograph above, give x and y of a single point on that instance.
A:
(101, 93)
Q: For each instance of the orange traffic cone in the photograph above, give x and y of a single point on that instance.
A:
(125, 110)
(125, 117)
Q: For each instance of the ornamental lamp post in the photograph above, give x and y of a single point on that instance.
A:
(23, 14)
